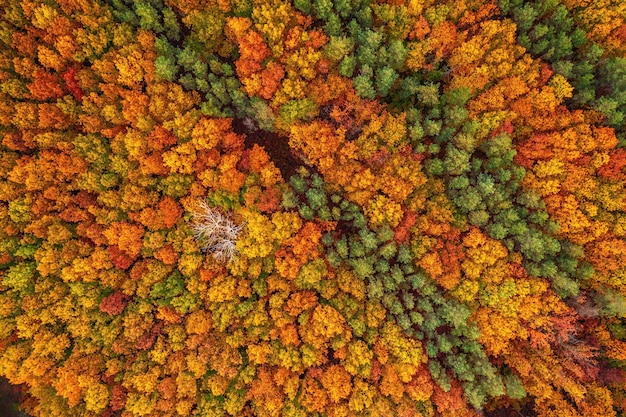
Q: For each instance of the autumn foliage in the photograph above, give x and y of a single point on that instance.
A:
(325, 208)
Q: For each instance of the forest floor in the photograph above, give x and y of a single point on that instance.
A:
(9, 398)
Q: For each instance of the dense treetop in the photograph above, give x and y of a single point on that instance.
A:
(313, 208)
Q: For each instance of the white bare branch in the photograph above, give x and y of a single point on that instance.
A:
(215, 232)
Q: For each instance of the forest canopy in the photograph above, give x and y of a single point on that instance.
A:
(326, 208)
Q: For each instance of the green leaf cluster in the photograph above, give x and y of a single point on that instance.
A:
(412, 299)
(552, 32)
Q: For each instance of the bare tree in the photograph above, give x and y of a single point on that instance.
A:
(215, 232)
